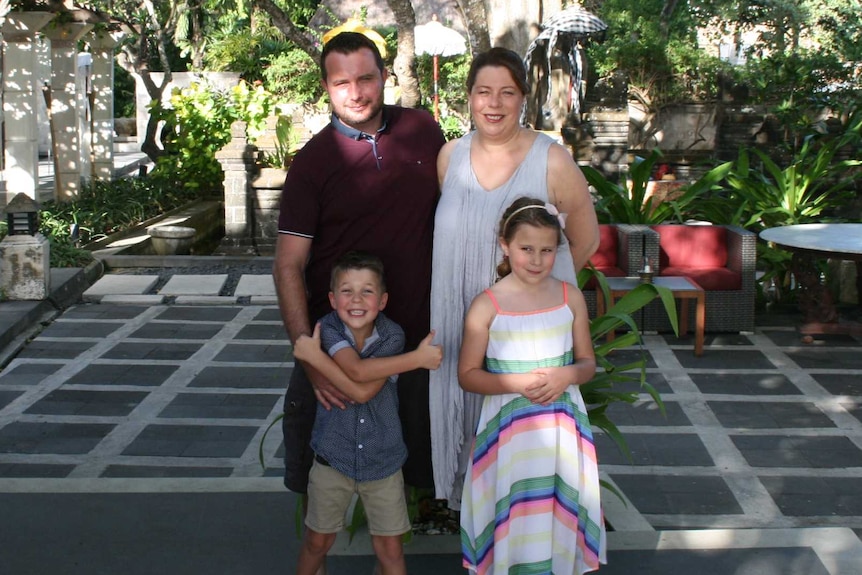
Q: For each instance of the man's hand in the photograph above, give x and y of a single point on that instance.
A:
(430, 355)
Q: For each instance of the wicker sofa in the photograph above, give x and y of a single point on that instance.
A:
(721, 259)
(620, 254)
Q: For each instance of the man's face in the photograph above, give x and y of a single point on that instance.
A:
(355, 87)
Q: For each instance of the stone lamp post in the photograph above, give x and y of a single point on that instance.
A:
(25, 254)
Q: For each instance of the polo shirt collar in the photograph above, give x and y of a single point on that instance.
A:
(375, 335)
(355, 134)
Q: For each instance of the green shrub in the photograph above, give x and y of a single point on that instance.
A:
(197, 125)
(104, 208)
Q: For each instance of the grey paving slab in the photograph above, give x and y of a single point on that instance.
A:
(263, 300)
(763, 415)
(34, 470)
(268, 314)
(815, 496)
(777, 384)
(205, 300)
(132, 299)
(189, 284)
(45, 349)
(27, 373)
(164, 471)
(262, 332)
(176, 330)
(255, 285)
(102, 311)
(648, 413)
(7, 397)
(684, 449)
(168, 351)
(681, 494)
(657, 380)
(798, 451)
(65, 438)
(853, 409)
(220, 406)
(96, 403)
(192, 441)
(185, 313)
(840, 383)
(122, 374)
(245, 377)
(61, 329)
(721, 358)
(271, 353)
(826, 359)
(116, 284)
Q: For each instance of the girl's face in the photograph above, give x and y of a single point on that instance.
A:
(495, 100)
(531, 251)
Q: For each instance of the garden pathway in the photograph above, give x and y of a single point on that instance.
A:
(130, 426)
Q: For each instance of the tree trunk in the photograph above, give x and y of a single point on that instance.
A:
(476, 18)
(405, 59)
(285, 25)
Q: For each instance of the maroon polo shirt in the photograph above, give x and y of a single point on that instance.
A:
(344, 198)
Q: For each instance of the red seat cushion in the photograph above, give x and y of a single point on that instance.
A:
(691, 246)
(606, 254)
(710, 279)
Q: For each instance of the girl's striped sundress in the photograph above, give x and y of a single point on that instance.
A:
(531, 495)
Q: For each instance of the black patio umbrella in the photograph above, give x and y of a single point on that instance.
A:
(567, 30)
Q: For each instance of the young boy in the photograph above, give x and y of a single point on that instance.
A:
(359, 449)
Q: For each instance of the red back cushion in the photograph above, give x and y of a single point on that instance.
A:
(692, 246)
(606, 254)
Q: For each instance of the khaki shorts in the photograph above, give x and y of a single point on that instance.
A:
(330, 493)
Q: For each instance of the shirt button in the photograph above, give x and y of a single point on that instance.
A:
(360, 446)
(362, 420)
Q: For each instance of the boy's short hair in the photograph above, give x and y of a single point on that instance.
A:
(356, 260)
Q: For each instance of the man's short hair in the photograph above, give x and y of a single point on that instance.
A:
(348, 43)
(356, 260)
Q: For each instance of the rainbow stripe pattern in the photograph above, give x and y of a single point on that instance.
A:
(531, 497)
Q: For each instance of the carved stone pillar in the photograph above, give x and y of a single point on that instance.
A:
(237, 159)
(102, 45)
(65, 111)
(21, 96)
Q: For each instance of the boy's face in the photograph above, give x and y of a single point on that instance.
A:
(358, 298)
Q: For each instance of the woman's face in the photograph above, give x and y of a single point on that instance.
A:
(495, 100)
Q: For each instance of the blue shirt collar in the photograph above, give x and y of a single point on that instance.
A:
(353, 133)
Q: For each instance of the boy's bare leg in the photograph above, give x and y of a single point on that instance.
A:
(390, 554)
(312, 554)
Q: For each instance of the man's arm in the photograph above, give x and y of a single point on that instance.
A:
(291, 256)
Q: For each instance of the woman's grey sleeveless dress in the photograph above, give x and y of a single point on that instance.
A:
(466, 254)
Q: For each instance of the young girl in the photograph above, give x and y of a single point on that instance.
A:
(531, 495)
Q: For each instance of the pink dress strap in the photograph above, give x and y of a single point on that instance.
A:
(493, 300)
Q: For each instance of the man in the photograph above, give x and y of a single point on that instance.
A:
(366, 182)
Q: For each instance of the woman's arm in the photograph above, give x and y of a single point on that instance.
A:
(568, 190)
(471, 363)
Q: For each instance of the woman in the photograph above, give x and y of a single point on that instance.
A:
(480, 174)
